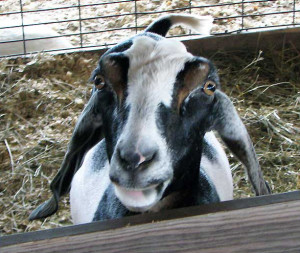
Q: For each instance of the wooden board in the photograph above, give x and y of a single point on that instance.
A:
(206, 46)
(254, 41)
(262, 224)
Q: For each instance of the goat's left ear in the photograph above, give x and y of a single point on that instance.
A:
(88, 131)
(233, 132)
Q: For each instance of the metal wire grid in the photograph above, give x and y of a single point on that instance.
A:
(240, 17)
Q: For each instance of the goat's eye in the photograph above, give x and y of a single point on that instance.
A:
(209, 88)
(99, 82)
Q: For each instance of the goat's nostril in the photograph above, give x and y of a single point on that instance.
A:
(114, 179)
(148, 157)
(129, 159)
(132, 159)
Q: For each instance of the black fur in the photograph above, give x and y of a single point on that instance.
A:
(184, 134)
(209, 151)
(110, 207)
(160, 27)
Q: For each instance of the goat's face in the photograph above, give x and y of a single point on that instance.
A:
(156, 99)
(153, 101)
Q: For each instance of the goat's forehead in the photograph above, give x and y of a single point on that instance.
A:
(146, 50)
(153, 69)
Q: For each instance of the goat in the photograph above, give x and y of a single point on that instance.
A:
(144, 141)
(35, 39)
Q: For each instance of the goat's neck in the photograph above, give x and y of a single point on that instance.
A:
(186, 178)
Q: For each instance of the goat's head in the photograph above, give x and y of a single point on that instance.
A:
(157, 102)
(153, 102)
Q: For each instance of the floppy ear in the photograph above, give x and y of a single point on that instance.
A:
(88, 131)
(233, 132)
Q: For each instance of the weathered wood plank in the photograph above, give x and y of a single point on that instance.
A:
(267, 228)
(150, 217)
(253, 41)
(205, 46)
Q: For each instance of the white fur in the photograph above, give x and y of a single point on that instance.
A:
(154, 66)
(218, 170)
(88, 186)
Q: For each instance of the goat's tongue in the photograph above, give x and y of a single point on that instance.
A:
(134, 194)
(136, 200)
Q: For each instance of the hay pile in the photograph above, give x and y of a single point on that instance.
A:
(41, 98)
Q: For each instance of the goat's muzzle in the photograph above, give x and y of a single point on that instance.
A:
(140, 174)
(135, 157)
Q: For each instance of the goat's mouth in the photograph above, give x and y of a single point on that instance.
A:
(140, 200)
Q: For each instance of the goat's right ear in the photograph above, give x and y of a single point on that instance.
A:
(233, 132)
(88, 131)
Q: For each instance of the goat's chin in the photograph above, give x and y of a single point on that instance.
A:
(140, 200)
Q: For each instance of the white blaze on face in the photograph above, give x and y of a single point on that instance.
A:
(153, 68)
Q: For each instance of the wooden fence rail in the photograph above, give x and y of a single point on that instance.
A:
(260, 224)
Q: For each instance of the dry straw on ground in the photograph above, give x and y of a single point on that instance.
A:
(42, 96)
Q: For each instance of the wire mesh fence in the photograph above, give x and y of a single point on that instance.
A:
(30, 26)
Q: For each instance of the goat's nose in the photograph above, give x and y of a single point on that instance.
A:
(133, 157)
